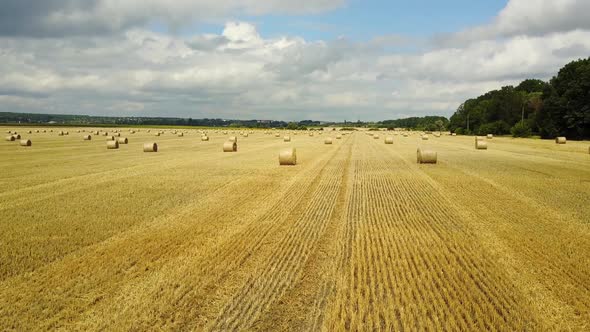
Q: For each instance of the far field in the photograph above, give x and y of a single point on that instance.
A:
(356, 236)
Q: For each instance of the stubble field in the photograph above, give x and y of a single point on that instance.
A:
(356, 236)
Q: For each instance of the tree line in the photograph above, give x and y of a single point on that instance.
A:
(560, 107)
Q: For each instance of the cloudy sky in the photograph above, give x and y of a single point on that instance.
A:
(278, 59)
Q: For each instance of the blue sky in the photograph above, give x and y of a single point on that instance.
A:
(363, 20)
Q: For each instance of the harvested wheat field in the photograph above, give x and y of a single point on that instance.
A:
(356, 236)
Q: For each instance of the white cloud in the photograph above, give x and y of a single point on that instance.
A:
(240, 74)
(92, 17)
(530, 18)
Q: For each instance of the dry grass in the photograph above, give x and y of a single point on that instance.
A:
(357, 236)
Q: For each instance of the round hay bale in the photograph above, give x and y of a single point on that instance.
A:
(454, 134)
(310, 134)
(481, 145)
(288, 157)
(405, 135)
(425, 137)
(96, 132)
(389, 140)
(490, 136)
(287, 139)
(87, 137)
(25, 142)
(180, 134)
(230, 146)
(30, 132)
(66, 133)
(233, 139)
(37, 131)
(245, 135)
(117, 135)
(436, 134)
(338, 136)
(17, 136)
(110, 138)
(122, 140)
(9, 131)
(150, 147)
(375, 136)
(112, 145)
(204, 138)
(105, 134)
(426, 156)
(328, 140)
(560, 140)
(10, 138)
(132, 132)
(61, 133)
(157, 134)
(277, 135)
(78, 130)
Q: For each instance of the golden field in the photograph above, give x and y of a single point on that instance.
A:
(357, 236)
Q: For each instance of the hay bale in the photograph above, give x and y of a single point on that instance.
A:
(78, 131)
(233, 139)
(110, 138)
(204, 138)
(328, 140)
(277, 135)
(288, 157)
(339, 136)
(310, 134)
(105, 134)
(426, 156)
(425, 137)
(481, 145)
(490, 136)
(157, 134)
(37, 131)
(117, 135)
(112, 145)
(25, 142)
(17, 136)
(9, 131)
(96, 132)
(150, 147)
(389, 140)
(454, 134)
(122, 140)
(87, 137)
(132, 132)
(61, 133)
(436, 134)
(375, 136)
(30, 132)
(180, 134)
(287, 139)
(560, 140)
(405, 135)
(10, 138)
(230, 146)
(245, 135)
